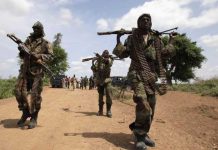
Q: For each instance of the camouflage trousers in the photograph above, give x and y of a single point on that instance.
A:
(145, 107)
(28, 93)
(106, 88)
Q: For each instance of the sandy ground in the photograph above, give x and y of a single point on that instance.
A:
(68, 121)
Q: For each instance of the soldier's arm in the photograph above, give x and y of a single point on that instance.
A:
(110, 62)
(22, 53)
(123, 51)
(48, 54)
(94, 66)
(168, 50)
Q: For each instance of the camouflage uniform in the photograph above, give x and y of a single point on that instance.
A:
(29, 84)
(102, 68)
(143, 52)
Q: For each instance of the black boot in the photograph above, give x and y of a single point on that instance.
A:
(23, 118)
(109, 114)
(140, 144)
(33, 120)
(100, 112)
(148, 141)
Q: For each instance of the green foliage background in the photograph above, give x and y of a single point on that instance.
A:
(59, 64)
(187, 57)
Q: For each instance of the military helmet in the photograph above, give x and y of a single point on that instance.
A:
(38, 25)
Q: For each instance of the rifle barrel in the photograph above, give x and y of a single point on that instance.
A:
(169, 30)
(115, 32)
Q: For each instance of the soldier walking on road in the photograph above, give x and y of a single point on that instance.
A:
(146, 51)
(85, 82)
(81, 83)
(102, 68)
(73, 80)
(29, 84)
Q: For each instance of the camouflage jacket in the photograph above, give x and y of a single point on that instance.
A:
(149, 49)
(42, 49)
(102, 71)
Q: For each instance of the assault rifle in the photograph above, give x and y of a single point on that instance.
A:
(123, 31)
(23, 48)
(99, 56)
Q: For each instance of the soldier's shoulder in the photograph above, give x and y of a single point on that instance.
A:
(28, 39)
(46, 41)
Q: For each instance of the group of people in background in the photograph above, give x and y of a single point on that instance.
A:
(79, 83)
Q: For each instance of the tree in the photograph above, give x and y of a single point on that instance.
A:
(58, 64)
(188, 56)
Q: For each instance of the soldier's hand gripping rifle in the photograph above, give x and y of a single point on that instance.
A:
(24, 49)
(98, 56)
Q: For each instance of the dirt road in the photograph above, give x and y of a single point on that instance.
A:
(68, 121)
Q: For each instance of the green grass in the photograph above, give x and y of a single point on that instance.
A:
(203, 87)
(7, 87)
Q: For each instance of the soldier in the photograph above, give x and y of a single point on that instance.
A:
(73, 80)
(85, 82)
(102, 68)
(91, 83)
(29, 84)
(146, 51)
(81, 83)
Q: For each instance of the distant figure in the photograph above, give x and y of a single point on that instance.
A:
(91, 83)
(85, 82)
(73, 80)
(68, 82)
(77, 83)
(81, 83)
(29, 84)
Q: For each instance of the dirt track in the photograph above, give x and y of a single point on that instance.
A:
(68, 121)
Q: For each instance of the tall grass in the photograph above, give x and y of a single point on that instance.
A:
(203, 87)
(7, 87)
